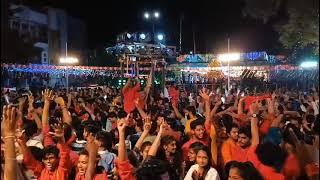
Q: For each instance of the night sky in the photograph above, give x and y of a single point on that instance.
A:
(212, 20)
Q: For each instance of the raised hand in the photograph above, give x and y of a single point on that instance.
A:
(136, 102)
(22, 100)
(47, 95)
(92, 147)
(204, 94)
(254, 108)
(147, 124)
(9, 121)
(20, 136)
(60, 101)
(122, 124)
(30, 99)
(163, 126)
(58, 131)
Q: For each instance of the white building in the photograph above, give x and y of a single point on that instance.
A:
(48, 29)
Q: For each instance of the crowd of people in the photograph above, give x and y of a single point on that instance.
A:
(141, 133)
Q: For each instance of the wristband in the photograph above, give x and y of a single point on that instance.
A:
(7, 137)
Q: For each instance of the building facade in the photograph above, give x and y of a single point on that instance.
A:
(52, 30)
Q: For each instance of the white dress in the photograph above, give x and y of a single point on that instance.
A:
(212, 174)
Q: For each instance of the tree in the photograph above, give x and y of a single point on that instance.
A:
(300, 28)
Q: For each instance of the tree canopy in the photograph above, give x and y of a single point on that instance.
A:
(296, 21)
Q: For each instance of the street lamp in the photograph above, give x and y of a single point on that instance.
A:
(229, 57)
(146, 15)
(156, 16)
(160, 37)
(309, 64)
(68, 61)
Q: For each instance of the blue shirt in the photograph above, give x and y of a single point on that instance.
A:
(107, 160)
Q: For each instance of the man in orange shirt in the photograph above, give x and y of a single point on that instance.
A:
(198, 135)
(229, 144)
(56, 159)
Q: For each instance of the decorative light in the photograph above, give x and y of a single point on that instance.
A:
(160, 37)
(229, 57)
(68, 60)
(156, 14)
(146, 15)
(309, 64)
(142, 36)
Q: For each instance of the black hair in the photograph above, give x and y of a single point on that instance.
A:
(132, 158)
(196, 146)
(37, 153)
(51, 150)
(208, 166)
(30, 127)
(139, 123)
(151, 169)
(165, 140)
(246, 170)
(246, 131)
(112, 115)
(144, 145)
(91, 128)
(229, 127)
(122, 114)
(105, 138)
(192, 109)
(270, 154)
(197, 122)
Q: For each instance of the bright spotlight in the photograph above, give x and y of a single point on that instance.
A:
(129, 36)
(309, 64)
(160, 37)
(156, 14)
(68, 60)
(146, 15)
(142, 36)
(229, 57)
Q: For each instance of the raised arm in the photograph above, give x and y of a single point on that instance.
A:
(126, 86)
(240, 106)
(254, 109)
(215, 108)
(65, 113)
(61, 145)
(143, 114)
(47, 96)
(92, 149)
(9, 126)
(210, 127)
(156, 143)
(176, 111)
(146, 129)
(122, 152)
(125, 169)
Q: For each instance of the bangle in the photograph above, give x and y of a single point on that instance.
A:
(7, 137)
(13, 159)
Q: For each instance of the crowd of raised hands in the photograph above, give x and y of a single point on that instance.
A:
(135, 133)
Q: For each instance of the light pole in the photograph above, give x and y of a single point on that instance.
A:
(68, 61)
(152, 17)
(229, 57)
